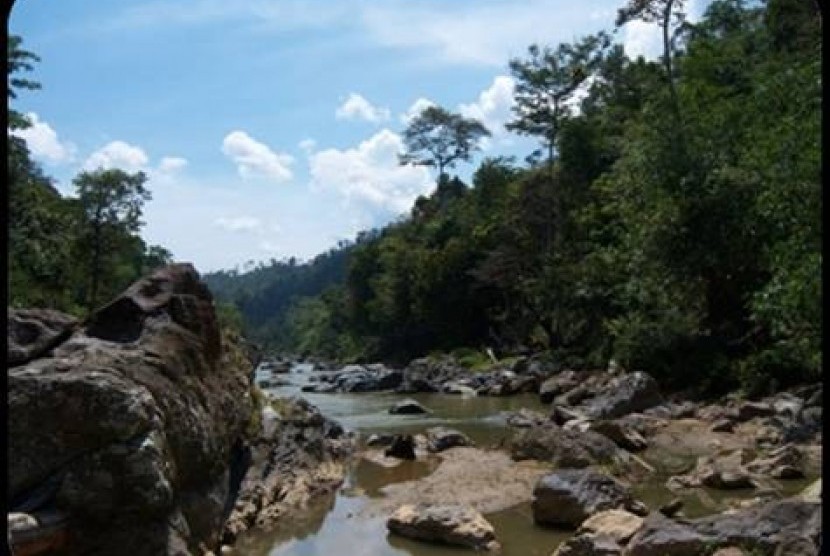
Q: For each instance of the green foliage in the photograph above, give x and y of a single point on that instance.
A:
(678, 230)
(229, 316)
(110, 202)
(547, 81)
(437, 137)
(67, 253)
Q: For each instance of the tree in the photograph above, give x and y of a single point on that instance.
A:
(111, 202)
(667, 13)
(437, 137)
(19, 60)
(546, 82)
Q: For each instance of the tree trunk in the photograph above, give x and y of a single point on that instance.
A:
(95, 268)
(667, 61)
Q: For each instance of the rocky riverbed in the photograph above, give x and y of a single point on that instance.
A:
(685, 481)
(146, 426)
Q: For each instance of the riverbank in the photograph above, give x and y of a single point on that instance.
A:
(497, 476)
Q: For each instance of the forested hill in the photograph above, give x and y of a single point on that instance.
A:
(269, 297)
(672, 222)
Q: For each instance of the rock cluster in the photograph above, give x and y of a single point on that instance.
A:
(301, 455)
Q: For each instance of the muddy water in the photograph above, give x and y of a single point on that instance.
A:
(331, 525)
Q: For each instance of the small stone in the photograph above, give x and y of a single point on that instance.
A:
(617, 524)
(787, 472)
(407, 407)
(671, 509)
(723, 425)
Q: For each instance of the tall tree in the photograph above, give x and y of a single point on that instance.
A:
(439, 138)
(111, 202)
(547, 81)
(669, 15)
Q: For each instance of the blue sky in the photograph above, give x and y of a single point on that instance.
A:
(270, 129)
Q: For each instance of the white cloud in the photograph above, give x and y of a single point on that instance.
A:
(117, 154)
(643, 39)
(493, 105)
(646, 39)
(474, 33)
(171, 164)
(369, 175)
(356, 107)
(416, 108)
(253, 158)
(307, 145)
(238, 224)
(43, 141)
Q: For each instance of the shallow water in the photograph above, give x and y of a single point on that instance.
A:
(331, 526)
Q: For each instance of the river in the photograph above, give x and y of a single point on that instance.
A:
(331, 526)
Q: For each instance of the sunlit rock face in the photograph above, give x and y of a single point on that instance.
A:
(126, 423)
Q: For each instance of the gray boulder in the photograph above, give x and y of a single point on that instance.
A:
(442, 438)
(130, 424)
(661, 536)
(625, 394)
(563, 448)
(569, 496)
(776, 524)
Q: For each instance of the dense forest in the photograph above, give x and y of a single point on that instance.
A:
(671, 219)
(70, 253)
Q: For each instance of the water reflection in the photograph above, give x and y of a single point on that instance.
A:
(331, 525)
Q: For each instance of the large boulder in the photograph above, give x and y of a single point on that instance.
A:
(130, 424)
(564, 448)
(371, 378)
(453, 524)
(776, 524)
(623, 395)
(568, 497)
(659, 536)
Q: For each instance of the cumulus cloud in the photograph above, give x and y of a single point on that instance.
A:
(43, 141)
(356, 107)
(238, 223)
(493, 105)
(117, 154)
(171, 164)
(253, 158)
(369, 175)
(415, 108)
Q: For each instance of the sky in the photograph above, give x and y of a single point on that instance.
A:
(271, 128)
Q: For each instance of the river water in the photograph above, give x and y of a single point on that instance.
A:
(331, 526)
